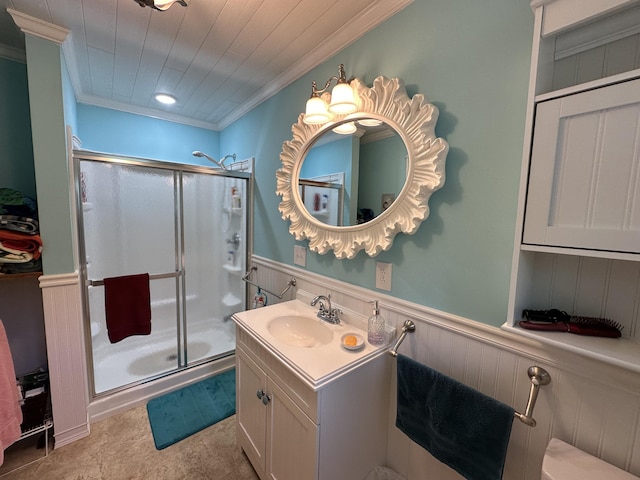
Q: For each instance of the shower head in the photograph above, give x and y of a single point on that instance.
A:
(220, 164)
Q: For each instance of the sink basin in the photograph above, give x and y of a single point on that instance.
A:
(300, 331)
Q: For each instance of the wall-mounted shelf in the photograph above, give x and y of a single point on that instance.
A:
(235, 269)
(230, 300)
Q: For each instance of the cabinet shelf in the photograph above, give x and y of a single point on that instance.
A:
(621, 352)
(581, 252)
(14, 276)
(583, 87)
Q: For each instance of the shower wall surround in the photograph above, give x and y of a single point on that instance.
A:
(589, 404)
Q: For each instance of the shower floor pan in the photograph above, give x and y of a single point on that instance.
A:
(117, 367)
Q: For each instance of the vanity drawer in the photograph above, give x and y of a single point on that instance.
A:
(303, 395)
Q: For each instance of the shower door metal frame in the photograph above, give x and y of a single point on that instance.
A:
(178, 169)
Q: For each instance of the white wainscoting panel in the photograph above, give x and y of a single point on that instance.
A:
(62, 304)
(589, 404)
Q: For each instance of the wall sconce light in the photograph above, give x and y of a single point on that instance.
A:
(161, 5)
(322, 105)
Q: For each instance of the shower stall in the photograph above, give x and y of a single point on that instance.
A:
(187, 227)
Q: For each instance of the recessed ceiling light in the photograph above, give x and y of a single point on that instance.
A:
(165, 98)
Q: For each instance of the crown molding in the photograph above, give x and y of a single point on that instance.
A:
(12, 53)
(375, 15)
(38, 28)
(144, 111)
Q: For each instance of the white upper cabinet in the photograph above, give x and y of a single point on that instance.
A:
(584, 180)
(577, 238)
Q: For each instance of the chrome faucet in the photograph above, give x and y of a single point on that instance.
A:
(234, 240)
(326, 312)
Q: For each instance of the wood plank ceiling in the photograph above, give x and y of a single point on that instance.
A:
(219, 58)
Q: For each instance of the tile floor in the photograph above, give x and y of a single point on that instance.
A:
(121, 447)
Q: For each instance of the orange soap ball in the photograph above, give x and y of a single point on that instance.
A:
(350, 340)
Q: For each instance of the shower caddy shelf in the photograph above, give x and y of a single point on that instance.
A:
(538, 376)
(235, 269)
(290, 283)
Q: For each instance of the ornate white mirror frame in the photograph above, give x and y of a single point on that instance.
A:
(414, 120)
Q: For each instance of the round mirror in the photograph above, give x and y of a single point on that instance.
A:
(398, 206)
(349, 179)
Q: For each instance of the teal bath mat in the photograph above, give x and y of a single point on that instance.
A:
(179, 414)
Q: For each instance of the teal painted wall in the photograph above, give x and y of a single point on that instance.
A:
(470, 59)
(16, 151)
(111, 131)
(45, 81)
(69, 101)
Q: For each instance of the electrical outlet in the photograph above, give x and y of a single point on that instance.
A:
(299, 255)
(383, 276)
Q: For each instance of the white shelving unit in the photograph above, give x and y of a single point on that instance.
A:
(577, 242)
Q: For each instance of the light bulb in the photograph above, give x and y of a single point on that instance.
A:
(345, 128)
(342, 100)
(316, 112)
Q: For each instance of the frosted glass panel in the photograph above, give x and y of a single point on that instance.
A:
(215, 252)
(128, 216)
(140, 356)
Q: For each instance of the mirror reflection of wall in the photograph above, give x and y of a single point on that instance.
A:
(326, 159)
(383, 170)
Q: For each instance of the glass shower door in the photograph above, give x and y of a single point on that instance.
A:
(129, 227)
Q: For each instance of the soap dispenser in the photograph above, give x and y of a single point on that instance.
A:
(377, 334)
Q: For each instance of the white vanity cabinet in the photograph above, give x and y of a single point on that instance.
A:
(577, 242)
(291, 431)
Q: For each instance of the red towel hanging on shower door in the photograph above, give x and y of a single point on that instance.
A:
(127, 306)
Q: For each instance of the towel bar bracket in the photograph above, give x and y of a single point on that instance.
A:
(407, 327)
(539, 377)
(291, 283)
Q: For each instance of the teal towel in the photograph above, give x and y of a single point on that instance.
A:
(461, 427)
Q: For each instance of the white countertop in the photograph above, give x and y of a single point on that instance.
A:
(315, 365)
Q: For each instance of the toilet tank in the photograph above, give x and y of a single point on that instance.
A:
(565, 462)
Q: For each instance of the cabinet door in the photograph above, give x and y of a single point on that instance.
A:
(584, 181)
(251, 411)
(293, 439)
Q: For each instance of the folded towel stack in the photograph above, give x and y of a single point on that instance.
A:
(461, 427)
(20, 243)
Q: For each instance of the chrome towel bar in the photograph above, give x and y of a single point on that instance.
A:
(538, 376)
(290, 283)
(156, 276)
